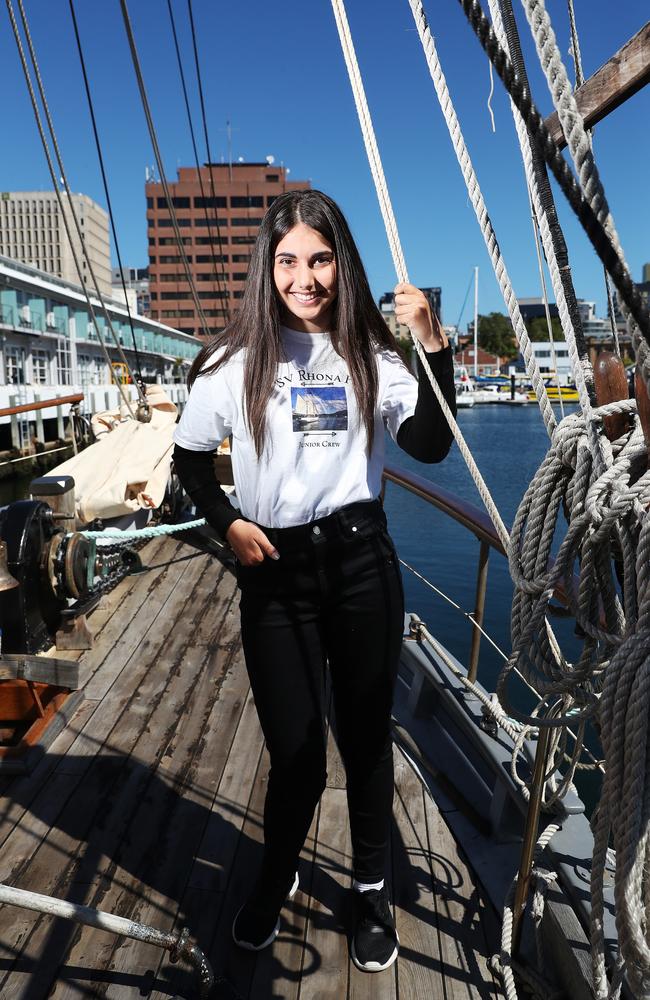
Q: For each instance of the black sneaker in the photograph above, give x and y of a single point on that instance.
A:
(375, 942)
(257, 923)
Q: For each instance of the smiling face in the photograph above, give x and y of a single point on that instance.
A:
(304, 272)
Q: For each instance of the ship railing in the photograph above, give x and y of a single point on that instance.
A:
(473, 520)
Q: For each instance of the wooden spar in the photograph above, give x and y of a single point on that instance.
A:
(42, 404)
(611, 385)
(617, 80)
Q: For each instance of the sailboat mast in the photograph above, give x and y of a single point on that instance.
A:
(475, 322)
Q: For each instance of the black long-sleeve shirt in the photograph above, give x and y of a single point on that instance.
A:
(425, 436)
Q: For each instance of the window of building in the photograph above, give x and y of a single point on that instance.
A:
(247, 201)
(209, 258)
(171, 313)
(217, 202)
(15, 365)
(200, 223)
(153, 295)
(171, 296)
(40, 366)
(181, 223)
(245, 222)
(241, 258)
(214, 312)
(213, 295)
(206, 241)
(171, 241)
(273, 178)
(172, 277)
(149, 202)
(187, 329)
(240, 240)
(180, 203)
(239, 276)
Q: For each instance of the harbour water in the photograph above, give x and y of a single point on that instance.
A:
(508, 445)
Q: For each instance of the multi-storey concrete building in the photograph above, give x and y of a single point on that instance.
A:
(218, 218)
(32, 231)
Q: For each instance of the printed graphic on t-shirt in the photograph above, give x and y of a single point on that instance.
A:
(319, 409)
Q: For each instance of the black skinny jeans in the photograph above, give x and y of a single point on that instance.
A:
(334, 596)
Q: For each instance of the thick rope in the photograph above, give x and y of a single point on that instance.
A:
(580, 364)
(577, 136)
(535, 123)
(398, 257)
(115, 536)
(480, 209)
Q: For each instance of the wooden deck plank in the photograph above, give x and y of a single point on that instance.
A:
(419, 969)
(325, 962)
(150, 850)
(463, 945)
(50, 867)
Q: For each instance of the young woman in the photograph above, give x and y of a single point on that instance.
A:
(305, 379)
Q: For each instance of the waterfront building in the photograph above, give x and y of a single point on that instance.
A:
(49, 346)
(543, 351)
(32, 231)
(136, 282)
(592, 325)
(645, 275)
(486, 364)
(218, 212)
(534, 308)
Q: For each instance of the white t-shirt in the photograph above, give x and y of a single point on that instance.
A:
(315, 460)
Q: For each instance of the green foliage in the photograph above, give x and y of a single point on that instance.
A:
(495, 335)
(538, 329)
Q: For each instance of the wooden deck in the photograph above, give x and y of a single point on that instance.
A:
(149, 805)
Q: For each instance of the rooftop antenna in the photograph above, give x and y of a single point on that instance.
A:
(229, 131)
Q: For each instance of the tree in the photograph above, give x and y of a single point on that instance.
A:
(495, 335)
(538, 328)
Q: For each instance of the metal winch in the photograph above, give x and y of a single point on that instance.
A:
(60, 573)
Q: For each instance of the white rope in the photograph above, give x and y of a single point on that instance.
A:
(577, 137)
(398, 257)
(480, 209)
(581, 367)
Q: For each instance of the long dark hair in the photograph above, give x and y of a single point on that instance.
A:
(358, 328)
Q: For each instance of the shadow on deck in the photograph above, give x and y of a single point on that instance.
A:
(149, 806)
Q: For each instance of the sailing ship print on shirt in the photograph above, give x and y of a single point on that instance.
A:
(316, 409)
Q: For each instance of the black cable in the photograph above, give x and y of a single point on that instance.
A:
(523, 102)
(548, 206)
(203, 116)
(105, 183)
(161, 170)
(219, 277)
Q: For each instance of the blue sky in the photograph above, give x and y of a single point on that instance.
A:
(277, 72)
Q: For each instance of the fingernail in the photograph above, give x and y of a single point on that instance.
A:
(275, 554)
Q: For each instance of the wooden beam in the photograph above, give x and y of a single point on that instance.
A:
(41, 669)
(611, 85)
